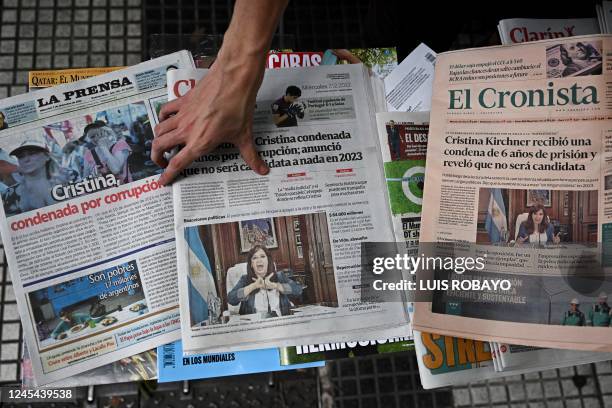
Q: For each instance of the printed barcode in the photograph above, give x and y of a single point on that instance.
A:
(169, 356)
(430, 57)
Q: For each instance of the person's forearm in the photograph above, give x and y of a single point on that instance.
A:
(252, 27)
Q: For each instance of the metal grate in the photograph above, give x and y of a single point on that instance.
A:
(11, 334)
(44, 34)
(388, 381)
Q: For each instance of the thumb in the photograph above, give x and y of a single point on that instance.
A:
(250, 156)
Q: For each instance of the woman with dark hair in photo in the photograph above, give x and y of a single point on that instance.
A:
(537, 229)
(108, 152)
(262, 289)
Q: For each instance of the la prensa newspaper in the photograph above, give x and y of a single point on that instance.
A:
(87, 228)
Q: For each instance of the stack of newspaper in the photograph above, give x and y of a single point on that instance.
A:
(91, 237)
(107, 264)
(521, 170)
(604, 16)
(520, 30)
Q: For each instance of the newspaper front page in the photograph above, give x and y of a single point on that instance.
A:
(87, 229)
(520, 167)
(275, 260)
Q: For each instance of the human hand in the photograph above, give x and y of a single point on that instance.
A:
(521, 240)
(269, 284)
(218, 110)
(258, 283)
(557, 238)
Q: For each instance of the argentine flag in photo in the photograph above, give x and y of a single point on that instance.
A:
(200, 280)
(496, 222)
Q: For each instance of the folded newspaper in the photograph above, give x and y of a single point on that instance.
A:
(139, 367)
(173, 365)
(520, 170)
(87, 229)
(275, 260)
(519, 30)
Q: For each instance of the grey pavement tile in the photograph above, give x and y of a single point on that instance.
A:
(80, 30)
(43, 61)
(61, 61)
(552, 389)
(26, 30)
(9, 16)
(479, 394)
(43, 45)
(116, 30)
(18, 89)
(603, 367)
(9, 351)
(534, 390)
(45, 15)
(498, 394)
(134, 44)
(62, 30)
(79, 60)
(25, 61)
(7, 46)
(98, 30)
(81, 15)
(6, 77)
(6, 62)
(461, 396)
(27, 16)
(45, 30)
(568, 387)
(133, 59)
(605, 382)
(80, 46)
(4, 92)
(516, 392)
(134, 30)
(116, 60)
(26, 46)
(7, 31)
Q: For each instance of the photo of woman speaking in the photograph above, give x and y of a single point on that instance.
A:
(262, 289)
(537, 229)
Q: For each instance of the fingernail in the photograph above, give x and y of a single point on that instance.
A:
(263, 169)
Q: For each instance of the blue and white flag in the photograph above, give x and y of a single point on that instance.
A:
(200, 280)
(496, 222)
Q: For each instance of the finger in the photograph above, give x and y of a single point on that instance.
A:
(250, 156)
(178, 163)
(170, 108)
(166, 126)
(163, 144)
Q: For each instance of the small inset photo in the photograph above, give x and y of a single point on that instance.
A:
(536, 217)
(262, 268)
(84, 306)
(570, 59)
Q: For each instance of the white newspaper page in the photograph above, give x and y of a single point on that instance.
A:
(408, 86)
(514, 357)
(86, 227)
(519, 168)
(519, 30)
(275, 260)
